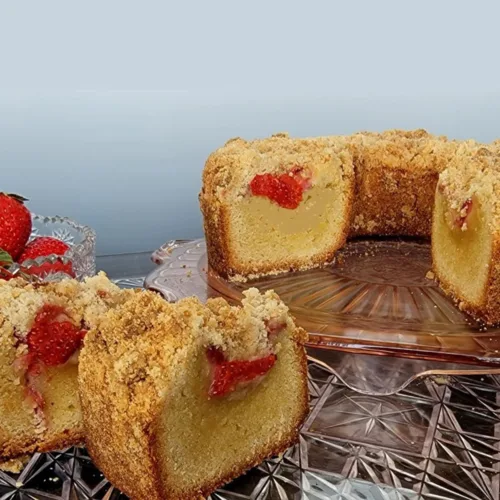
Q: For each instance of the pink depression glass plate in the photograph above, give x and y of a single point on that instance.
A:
(377, 299)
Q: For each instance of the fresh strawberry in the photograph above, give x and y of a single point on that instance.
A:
(41, 247)
(15, 224)
(228, 374)
(53, 339)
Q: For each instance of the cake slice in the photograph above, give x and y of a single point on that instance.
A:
(466, 232)
(178, 399)
(41, 331)
(276, 204)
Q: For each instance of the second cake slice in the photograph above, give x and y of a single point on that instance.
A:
(180, 398)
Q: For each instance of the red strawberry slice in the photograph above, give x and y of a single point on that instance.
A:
(42, 247)
(228, 374)
(465, 211)
(286, 189)
(53, 339)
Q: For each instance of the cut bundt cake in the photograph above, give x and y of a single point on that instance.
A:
(466, 232)
(41, 331)
(281, 204)
(178, 399)
(276, 205)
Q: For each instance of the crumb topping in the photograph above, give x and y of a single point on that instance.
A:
(85, 302)
(149, 341)
(230, 169)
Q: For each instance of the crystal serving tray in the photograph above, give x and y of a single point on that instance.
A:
(436, 438)
(378, 298)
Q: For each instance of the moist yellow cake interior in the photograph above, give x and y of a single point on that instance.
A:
(16, 411)
(462, 257)
(202, 436)
(60, 392)
(262, 231)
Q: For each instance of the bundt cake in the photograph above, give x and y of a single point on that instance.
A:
(252, 228)
(466, 232)
(41, 331)
(178, 399)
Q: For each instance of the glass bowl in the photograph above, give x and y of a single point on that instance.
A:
(80, 239)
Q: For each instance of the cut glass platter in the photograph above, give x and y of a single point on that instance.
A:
(436, 438)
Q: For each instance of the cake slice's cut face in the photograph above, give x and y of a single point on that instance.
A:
(37, 402)
(213, 438)
(60, 392)
(462, 246)
(38, 382)
(16, 410)
(279, 232)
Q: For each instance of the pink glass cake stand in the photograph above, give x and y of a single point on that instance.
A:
(376, 300)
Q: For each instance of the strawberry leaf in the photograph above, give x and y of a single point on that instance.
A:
(17, 197)
(5, 259)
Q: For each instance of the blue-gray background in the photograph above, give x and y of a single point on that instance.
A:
(108, 110)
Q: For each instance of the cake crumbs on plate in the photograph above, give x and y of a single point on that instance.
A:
(15, 465)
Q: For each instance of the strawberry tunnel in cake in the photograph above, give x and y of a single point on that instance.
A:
(281, 204)
(180, 398)
(42, 328)
(279, 210)
(465, 236)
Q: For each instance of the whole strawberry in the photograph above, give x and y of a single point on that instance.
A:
(41, 247)
(53, 338)
(15, 224)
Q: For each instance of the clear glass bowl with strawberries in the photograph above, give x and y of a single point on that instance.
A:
(70, 247)
(42, 248)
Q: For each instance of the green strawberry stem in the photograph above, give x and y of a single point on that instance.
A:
(17, 197)
(6, 259)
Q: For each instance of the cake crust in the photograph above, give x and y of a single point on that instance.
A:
(134, 361)
(396, 176)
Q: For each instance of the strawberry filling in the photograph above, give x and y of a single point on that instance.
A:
(227, 375)
(286, 189)
(465, 211)
(460, 219)
(274, 327)
(52, 340)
